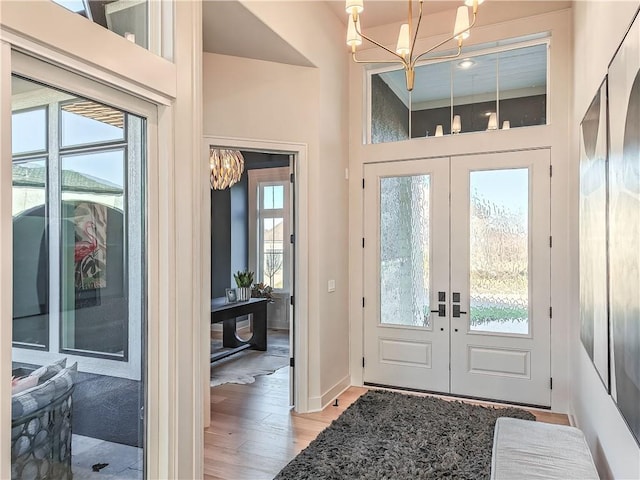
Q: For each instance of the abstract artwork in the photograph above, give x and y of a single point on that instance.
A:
(90, 252)
(594, 322)
(624, 221)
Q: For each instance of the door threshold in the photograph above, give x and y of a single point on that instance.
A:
(454, 396)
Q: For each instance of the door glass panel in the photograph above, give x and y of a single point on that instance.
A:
(273, 197)
(30, 252)
(404, 250)
(499, 253)
(78, 290)
(34, 121)
(273, 253)
(94, 300)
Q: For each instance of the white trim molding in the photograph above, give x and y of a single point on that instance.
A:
(6, 259)
(301, 318)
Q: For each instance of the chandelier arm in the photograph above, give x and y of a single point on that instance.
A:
(379, 45)
(413, 62)
(443, 57)
(353, 56)
(415, 35)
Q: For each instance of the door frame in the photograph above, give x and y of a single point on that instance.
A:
(57, 77)
(557, 270)
(301, 264)
(434, 340)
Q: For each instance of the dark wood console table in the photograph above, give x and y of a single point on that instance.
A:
(221, 311)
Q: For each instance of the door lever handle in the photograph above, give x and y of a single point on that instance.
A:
(457, 312)
(442, 310)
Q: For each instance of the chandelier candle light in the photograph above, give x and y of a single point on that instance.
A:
(405, 47)
(226, 167)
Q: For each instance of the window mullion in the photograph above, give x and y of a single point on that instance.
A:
(54, 213)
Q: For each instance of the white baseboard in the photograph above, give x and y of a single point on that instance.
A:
(317, 404)
(573, 421)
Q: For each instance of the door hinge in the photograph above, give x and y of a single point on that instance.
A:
(363, 183)
(292, 362)
(550, 312)
(292, 238)
(362, 242)
(551, 170)
(550, 241)
(362, 302)
(362, 362)
(551, 383)
(292, 178)
(292, 302)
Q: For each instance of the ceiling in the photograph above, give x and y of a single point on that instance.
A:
(228, 28)
(382, 12)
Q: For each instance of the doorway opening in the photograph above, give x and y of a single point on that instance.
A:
(253, 230)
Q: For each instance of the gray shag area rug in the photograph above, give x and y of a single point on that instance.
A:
(388, 435)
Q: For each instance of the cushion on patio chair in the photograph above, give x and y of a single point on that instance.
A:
(41, 429)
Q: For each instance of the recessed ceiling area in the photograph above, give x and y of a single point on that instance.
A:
(228, 28)
(382, 12)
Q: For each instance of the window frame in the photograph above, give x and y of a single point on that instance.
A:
(258, 179)
(128, 364)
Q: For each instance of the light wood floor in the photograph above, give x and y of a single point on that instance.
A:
(253, 433)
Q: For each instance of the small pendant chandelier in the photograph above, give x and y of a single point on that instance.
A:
(226, 167)
(404, 53)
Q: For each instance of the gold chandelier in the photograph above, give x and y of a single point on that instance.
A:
(405, 47)
(226, 167)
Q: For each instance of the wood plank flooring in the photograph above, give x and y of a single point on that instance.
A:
(253, 433)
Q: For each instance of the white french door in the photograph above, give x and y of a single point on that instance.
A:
(457, 266)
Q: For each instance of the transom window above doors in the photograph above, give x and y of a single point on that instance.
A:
(494, 86)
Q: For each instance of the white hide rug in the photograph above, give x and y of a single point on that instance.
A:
(243, 367)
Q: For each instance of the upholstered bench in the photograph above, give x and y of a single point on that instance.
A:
(524, 449)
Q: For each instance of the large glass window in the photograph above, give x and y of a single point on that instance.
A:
(271, 233)
(78, 286)
(504, 89)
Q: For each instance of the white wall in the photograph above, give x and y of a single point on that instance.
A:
(598, 30)
(253, 99)
(498, 20)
